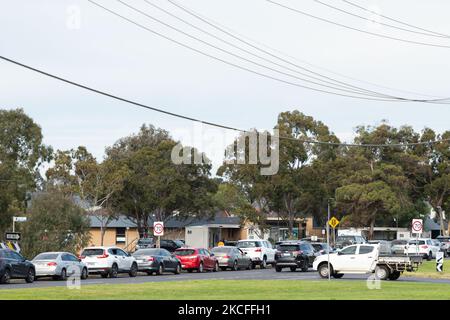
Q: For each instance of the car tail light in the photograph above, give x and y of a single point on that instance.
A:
(52, 264)
(81, 257)
(424, 247)
(226, 257)
(258, 250)
(150, 259)
(103, 256)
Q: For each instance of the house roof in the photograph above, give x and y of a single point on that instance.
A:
(123, 222)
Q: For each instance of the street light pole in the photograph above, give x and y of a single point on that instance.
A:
(328, 240)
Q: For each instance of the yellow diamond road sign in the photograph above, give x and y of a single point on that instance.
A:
(333, 222)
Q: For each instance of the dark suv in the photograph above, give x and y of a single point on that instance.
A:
(14, 266)
(171, 245)
(294, 255)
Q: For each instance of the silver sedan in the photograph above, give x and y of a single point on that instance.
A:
(231, 257)
(59, 265)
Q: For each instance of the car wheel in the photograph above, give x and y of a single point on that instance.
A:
(200, 267)
(216, 267)
(305, 269)
(104, 275)
(178, 269)
(382, 272)
(223, 268)
(253, 265)
(160, 270)
(250, 264)
(338, 275)
(293, 269)
(263, 264)
(114, 271)
(323, 270)
(84, 274)
(30, 276)
(190, 270)
(6, 277)
(278, 269)
(235, 266)
(149, 272)
(63, 275)
(394, 275)
(429, 256)
(134, 270)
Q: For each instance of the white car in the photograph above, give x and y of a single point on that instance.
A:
(59, 265)
(260, 252)
(424, 247)
(365, 259)
(109, 261)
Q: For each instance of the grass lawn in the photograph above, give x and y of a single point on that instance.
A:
(239, 289)
(428, 270)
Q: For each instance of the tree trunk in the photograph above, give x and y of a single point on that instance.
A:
(372, 226)
(102, 234)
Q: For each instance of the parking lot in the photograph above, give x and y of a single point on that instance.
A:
(256, 274)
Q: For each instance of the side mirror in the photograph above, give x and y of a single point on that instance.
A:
(212, 254)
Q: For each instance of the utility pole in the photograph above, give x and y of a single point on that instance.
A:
(441, 221)
(328, 240)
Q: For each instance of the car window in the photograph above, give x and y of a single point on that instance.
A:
(46, 256)
(288, 247)
(248, 244)
(122, 253)
(305, 247)
(184, 252)
(65, 257)
(220, 250)
(16, 256)
(92, 252)
(365, 249)
(348, 250)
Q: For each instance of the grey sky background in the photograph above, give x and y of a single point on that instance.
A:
(112, 55)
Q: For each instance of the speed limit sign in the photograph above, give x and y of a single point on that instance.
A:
(158, 228)
(417, 226)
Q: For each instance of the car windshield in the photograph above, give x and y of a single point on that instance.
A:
(345, 238)
(443, 239)
(288, 247)
(146, 252)
(46, 256)
(92, 252)
(221, 250)
(185, 252)
(248, 244)
(399, 242)
(145, 241)
(414, 242)
(318, 246)
(179, 243)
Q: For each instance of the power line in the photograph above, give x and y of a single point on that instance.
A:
(353, 28)
(241, 57)
(253, 71)
(172, 114)
(245, 68)
(261, 57)
(380, 23)
(241, 38)
(395, 20)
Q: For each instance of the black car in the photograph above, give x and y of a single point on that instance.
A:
(294, 255)
(157, 261)
(321, 248)
(170, 245)
(14, 266)
(145, 243)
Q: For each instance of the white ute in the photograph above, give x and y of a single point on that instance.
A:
(365, 259)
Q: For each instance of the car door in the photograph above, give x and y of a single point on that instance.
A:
(114, 252)
(166, 259)
(308, 250)
(20, 267)
(271, 252)
(67, 263)
(126, 258)
(365, 258)
(209, 261)
(345, 259)
(240, 257)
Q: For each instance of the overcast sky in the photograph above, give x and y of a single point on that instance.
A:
(110, 54)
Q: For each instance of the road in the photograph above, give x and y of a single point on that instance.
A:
(256, 274)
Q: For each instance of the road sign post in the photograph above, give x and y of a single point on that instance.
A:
(333, 222)
(17, 219)
(12, 236)
(417, 228)
(158, 230)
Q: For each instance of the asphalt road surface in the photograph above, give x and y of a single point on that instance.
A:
(256, 274)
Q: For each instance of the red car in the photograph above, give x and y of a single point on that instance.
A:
(197, 259)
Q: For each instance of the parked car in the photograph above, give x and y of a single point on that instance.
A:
(260, 252)
(365, 259)
(343, 241)
(170, 245)
(157, 261)
(385, 246)
(109, 261)
(231, 257)
(441, 245)
(59, 265)
(321, 248)
(294, 255)
(198, 259)
(145, 243)
(230, 243)
(445, 240)
(14, 266)
(424, 247)
(399, 246)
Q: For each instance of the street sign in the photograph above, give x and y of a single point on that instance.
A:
(158, 228)
(19, 219)
(333, 222)
(440, 261)
(417, 226)
(12, 236)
